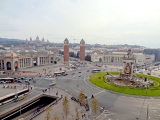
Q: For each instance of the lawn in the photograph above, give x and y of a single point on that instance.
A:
(99, 80)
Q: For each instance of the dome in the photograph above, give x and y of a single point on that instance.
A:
(82, 42)
(66, 41)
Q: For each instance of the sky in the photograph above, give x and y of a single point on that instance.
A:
(135, 22)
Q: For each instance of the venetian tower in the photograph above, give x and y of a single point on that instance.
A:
(66, 51)
(82, 50)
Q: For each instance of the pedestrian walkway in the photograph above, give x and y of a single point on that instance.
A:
(57, 109)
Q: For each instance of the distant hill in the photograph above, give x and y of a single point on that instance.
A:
(8, 42)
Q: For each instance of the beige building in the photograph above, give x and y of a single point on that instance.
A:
(117, 57)
(12, 61)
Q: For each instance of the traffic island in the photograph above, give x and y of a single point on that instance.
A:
(100, 80)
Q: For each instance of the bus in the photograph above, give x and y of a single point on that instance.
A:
(11, 97)
(95, 70)
(7, 80)
(59, 73)
(7, 98)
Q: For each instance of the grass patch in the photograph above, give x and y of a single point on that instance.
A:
(98, 79)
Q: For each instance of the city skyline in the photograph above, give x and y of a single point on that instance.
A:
(103, 22)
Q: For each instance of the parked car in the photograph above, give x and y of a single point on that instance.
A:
(73, 98)
(2, 82)
(87, 107)
(19, 81)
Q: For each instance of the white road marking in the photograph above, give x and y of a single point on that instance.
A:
(90, 85)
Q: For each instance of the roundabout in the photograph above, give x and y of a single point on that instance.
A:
(100, 80)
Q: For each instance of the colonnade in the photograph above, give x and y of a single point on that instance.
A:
(112, 59)
(1, 64)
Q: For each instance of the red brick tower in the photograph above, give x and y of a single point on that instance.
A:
(66, 51)
(82, 50)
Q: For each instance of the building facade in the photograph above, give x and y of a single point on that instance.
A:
(12, 61)
(117, 57)
(156, 52)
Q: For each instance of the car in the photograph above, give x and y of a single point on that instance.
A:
(87, 70)
(79, 75)
(2, 82)
(73, 98)
(65, 74)
(22, 78)
(87, 107)
(72, 73)
(19, 81)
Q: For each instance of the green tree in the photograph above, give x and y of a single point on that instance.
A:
(66, 106)
(94, 105)
(81, 98)
(77, 114)
(48, 113)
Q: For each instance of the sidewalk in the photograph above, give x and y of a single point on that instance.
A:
(58, 108)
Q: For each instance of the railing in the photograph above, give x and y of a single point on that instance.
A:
(43, 109)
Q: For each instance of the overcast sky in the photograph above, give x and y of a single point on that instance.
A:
(96, 21)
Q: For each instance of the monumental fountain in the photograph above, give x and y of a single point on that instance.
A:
(127, 77)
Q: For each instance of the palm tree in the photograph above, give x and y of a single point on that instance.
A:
(81, 98)
(66, 107)
(94, 105)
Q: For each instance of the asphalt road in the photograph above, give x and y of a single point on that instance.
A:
(117, 106)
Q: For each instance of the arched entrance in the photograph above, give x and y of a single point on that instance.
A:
(112, 59)
(35, 62)
(100, 59)
(8, 66)
(16, 65)
(51, 59)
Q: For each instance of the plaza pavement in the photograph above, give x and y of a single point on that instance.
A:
(57, 109)
(6, 91)
(42, 70)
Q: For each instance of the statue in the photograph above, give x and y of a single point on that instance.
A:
(127, 69)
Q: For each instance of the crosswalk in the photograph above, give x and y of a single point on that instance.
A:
(105, 115)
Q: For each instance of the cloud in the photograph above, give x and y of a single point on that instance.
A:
(97, 21)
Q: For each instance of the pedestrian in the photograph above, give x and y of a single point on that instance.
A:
(82, 116)
(31, 88)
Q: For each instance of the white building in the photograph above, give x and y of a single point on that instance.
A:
(117, 57)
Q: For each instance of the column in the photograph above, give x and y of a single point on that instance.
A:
(37, 61)
(1, 64)
(31, 62)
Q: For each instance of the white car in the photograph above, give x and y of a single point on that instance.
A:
(2, 82)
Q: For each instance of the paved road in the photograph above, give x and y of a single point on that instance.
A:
(117, 107)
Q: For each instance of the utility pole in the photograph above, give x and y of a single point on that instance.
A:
(147, 112)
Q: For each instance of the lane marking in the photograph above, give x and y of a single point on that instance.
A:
(90, 85)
